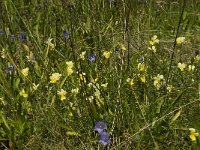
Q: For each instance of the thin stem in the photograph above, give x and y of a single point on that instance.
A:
(174, 46)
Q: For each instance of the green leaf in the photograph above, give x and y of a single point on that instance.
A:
(160, 101)
(4, 120)
(72, 133)
(16, 84)
(174, 102)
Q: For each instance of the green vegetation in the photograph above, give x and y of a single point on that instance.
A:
(127, 68)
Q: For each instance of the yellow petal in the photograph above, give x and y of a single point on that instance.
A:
(53, 81)
(62, 97)
(192, 137)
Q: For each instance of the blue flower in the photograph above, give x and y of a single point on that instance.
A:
(12, 36)
(100, 126)
(1, 32)
(22, 36)
(10, 68)
(66, 34)
(91, 57)
(104, 138)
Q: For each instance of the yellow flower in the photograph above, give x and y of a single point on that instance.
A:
(180, 40)
(23, 93)
(197, 58)
(141, 66)
(70, 64)
(55, 77)
(169, 88)
(157, 81)
(182, 66)
(3, 53)
(158, 78)
(153, 49)
(154, 40)
(191, 68)
(123, 48)
(82, 55)
(51, 46)
(25, 71)
(130, 81)
(143, 78)
(193, 134)
(69, 71)
(106, 54)
(62, 94)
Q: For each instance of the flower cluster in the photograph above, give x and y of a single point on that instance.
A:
(142, 70)
(180, 40)
(100, 126)
(70, 66)
(154, 40)
(182, 67)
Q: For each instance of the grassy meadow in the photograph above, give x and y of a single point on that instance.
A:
(100, 74)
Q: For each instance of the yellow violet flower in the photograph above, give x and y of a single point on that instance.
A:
(169, 88)
(50, 44)
(157, 81)
(23, 93)
(123, 48)
(69, 71)
(191, 68)
(193, 134)
(55, 77)
(182, 66)
(143, 78)
(197, 58)
(130, 81)
(62, 94)
(82, 55)
(106, 54)
(158, 78)
(3, 53)
(70, 64)
(141, 66)
(154, 40)
(153, 49)
(180, 40)
(25, 71)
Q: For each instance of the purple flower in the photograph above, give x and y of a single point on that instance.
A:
(10, 68)
(91, 57)
(33, 59)
(104, 138)
(1, 32)
(66, 34)
(110, 1)
(12, 36)
(100, 126)
(22, 36)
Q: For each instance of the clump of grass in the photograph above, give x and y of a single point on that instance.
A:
(68, 64)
